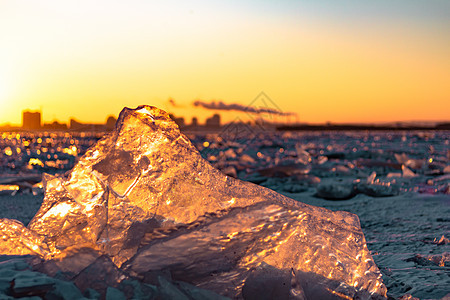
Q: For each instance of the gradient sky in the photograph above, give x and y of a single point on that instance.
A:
(338, 61)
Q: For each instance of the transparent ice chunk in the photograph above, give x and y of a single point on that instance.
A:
(146, 201)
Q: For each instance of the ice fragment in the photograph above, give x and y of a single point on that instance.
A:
(143, 202)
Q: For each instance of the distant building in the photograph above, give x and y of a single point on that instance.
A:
(75, 125)
(111, 122)
(78, 126)
(178, 121)
(214, 121)
(194, 122)
(31, 120)
(55, 126)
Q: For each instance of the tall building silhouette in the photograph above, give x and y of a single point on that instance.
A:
(214, 121)
(111, 123)
(31, 120)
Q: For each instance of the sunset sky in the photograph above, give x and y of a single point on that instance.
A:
(336, 61)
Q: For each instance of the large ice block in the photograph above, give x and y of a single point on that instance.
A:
(144, 197)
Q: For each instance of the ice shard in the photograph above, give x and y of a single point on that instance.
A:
(19, 240)
(144, 198)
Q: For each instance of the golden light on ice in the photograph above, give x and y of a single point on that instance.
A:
(35, 161)
(8, 151)
(145, 199)
(59, 210)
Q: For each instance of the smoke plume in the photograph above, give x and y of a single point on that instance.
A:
(219, 105)
(172, 103)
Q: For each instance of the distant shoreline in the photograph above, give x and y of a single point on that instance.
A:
(349, 127)
(271, 127)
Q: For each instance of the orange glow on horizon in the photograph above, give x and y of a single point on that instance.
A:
(69, 61)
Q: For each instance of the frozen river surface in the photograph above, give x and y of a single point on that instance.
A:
(398, 183)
